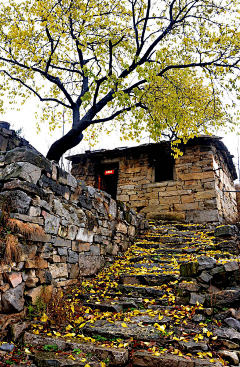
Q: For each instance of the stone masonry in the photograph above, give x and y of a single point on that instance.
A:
(198, 191)
(64, 229)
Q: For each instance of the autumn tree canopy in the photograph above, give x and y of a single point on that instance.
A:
(163, 66)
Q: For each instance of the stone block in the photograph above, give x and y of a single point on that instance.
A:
(80, 246)
(202, 216)
(13, 300)
(27, 218)
(72, 257)
(95, 249)
(226, 231)
(196, 298)
(205, 276)
(25, 186)
(122, 228)
(17, 201)
(61, 242)
(35, 293)
(66, 283)
(72, 232)
(31, 282)
(205, 262)
(112, 210)
(90, 265)
(26, 252)
(188, 269)
(51, 223)
(187, 199)
(62, 231)
(15, 279)
(207, 194)
(124, 198)
(74, 271)
(62, 251)
(196, 175)
(44, 276)
(55, 187)
(25, 154)
(84, 235)
(34, 211)
(85, 202)
(187, 206)
(58, 270)
(23, 170)
(231, 266)
(56, 258)
(71, 181)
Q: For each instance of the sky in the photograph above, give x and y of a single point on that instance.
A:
(25, 119)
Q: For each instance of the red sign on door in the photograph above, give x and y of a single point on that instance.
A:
(109, 172)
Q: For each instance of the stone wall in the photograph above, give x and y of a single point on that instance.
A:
(195, 194)
(64, 229)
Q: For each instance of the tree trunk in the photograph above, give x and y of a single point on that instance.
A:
(59, 147)
(72, 138)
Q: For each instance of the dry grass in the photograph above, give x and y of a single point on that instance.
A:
(56, 308)
(26, 229)
(11, 252)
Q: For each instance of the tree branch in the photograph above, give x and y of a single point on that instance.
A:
(42, 99)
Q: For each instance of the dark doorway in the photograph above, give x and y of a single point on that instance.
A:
(108, 178)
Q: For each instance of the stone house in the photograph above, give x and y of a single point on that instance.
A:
(196, 187)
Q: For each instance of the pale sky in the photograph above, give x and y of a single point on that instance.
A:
(25, 119)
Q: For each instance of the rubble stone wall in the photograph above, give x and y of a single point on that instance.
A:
(195, 194)
(66, 229)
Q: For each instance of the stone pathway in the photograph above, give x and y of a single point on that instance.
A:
(171, 300)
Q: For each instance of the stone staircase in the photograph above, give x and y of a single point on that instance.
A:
(171, 300)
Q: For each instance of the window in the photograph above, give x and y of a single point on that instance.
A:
(164, 168)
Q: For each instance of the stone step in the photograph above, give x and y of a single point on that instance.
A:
(147, 279)
(49, 359)
(136, 291)
(116, 356)
(145, 359)
(111, 306)
(123, 330)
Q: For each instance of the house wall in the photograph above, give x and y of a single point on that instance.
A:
(194, 195)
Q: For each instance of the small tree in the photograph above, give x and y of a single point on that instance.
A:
(161, 66)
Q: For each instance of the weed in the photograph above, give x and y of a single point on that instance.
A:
(77, 351)
(106, 360)
(51, 348)
(99, 338)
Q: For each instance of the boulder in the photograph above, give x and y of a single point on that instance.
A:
(229, 356)
(205, 262)
(196, 298)
(13, 300)
(230, 321)
(225, 298)
(226, 231)
(231, 266)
